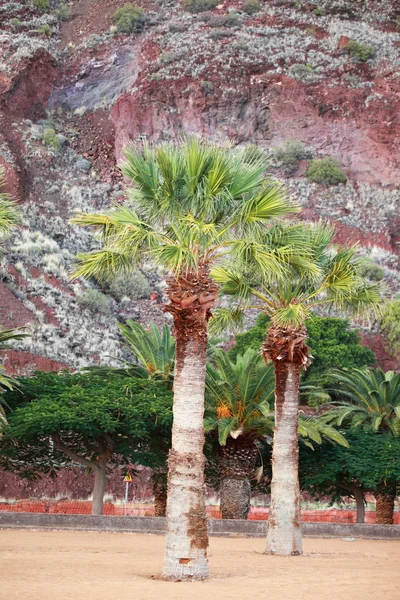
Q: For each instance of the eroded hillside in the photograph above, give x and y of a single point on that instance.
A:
(73, 92)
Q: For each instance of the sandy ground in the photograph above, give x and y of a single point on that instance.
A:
(44, 565)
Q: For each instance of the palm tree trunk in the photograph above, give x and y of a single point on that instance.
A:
(284, 531)
(385, 498)
(237, 460)
(191, 300)
(98, 489)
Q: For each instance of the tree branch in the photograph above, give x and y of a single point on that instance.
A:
(72, 455)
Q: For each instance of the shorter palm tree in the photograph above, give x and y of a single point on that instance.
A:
(239, 397)
(335, 281)
(369, 399)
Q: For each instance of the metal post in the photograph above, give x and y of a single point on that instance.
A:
(126, 491)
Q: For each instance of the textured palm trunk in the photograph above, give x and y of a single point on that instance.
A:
(385, 499)
(289, 353)
(186, 537)
(236, 461)
(98, 489)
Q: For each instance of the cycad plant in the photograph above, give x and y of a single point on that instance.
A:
(289, 303)
(369, 399)
(193, 204)
(239, 401)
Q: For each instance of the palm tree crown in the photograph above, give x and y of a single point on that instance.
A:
(371, 400)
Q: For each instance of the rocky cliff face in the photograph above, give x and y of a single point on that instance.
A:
(73, 93)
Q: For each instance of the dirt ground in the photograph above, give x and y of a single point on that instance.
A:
(44, 565)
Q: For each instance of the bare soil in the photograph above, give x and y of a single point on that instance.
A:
(44, 565)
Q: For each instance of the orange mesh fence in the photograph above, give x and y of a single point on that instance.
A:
(80, 507)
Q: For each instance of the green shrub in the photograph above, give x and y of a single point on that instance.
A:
(319, 11)
(42, 5)
(229, 20)
(46, 31)
(251, 7)
(326, 171)
(63, 12)
(359, 51)
(16, 24)
(302, 72)
(371, 270)
(198, 6)
(50, 139)
(390, 325)
(290, 154)
(129, 19)
(95, 301)
(134, 286)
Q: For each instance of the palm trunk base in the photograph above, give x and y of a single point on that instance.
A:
(284, 539)
(235, 498)
(384, 508)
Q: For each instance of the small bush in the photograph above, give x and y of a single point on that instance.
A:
(198, 6)
(95, 301)
(63, 12)
(42, 5)
(16, 24)
(326, 171)
(51, 140)
(251, 7)
(390, 325)
(290, 154)
(359, 51)
(129, 19)
(46, 31)
(302, 72)
(133, 286)
(371, 270)
(229, 20)
(319, 11)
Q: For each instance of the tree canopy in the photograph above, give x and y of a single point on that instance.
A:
(55, 419)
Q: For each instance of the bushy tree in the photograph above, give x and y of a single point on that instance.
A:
(333, 344)
(129, 18)
(390, 325)
(58, 419)
(371, 463)
(326, 171)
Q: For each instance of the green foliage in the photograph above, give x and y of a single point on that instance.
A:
(41, 5)
(129, 18)
(390, 326)
(319, 12)
(238, 396)
(10, 216)
(370, 461)
(332, 344)
(251, 7)
(84, 414)
(371, 270)
(198, 6)
(16, 24)
(63, 12)
(291, 153)
(302, 72)
(50, 138)
(359, 51)
(326, 171)
(368, 399)
(134, 286)
(47, 31)
(95, 301)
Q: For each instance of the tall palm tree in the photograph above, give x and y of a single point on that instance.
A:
(193, 204)
(239, 400)
(289, 304)
(372, 402)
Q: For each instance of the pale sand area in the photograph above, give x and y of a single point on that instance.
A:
(44, 565)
